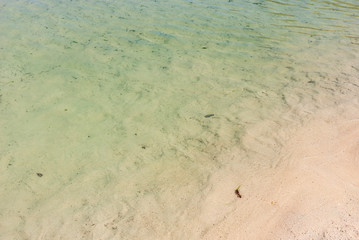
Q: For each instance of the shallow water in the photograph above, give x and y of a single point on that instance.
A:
(107, 99)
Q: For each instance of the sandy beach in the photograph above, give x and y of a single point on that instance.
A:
(312, 193)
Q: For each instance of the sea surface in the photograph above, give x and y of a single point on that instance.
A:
(115, 114)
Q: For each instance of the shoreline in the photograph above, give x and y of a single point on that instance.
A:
(139, 121)
(311, 193)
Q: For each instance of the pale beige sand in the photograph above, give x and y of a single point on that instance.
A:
(313, 193)
(110, 107)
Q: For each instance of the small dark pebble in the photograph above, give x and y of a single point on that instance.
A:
(143, 147)
(208, 115)
(135, 134)
(39, 174)
(204, 47)
(311, 81)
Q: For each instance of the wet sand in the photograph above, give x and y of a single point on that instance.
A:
(312, 193)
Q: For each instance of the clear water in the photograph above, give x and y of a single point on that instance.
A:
(107, 99)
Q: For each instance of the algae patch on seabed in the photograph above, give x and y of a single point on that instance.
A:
(208, 115)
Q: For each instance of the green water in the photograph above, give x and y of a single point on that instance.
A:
(107, 99)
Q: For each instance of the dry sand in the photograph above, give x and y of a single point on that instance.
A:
(312, 193)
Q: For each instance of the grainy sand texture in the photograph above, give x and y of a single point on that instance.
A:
(312, 193)
(123, 119)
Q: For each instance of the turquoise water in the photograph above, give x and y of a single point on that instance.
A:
(107, 99)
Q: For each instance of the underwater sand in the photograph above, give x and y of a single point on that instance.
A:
(103, 133)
